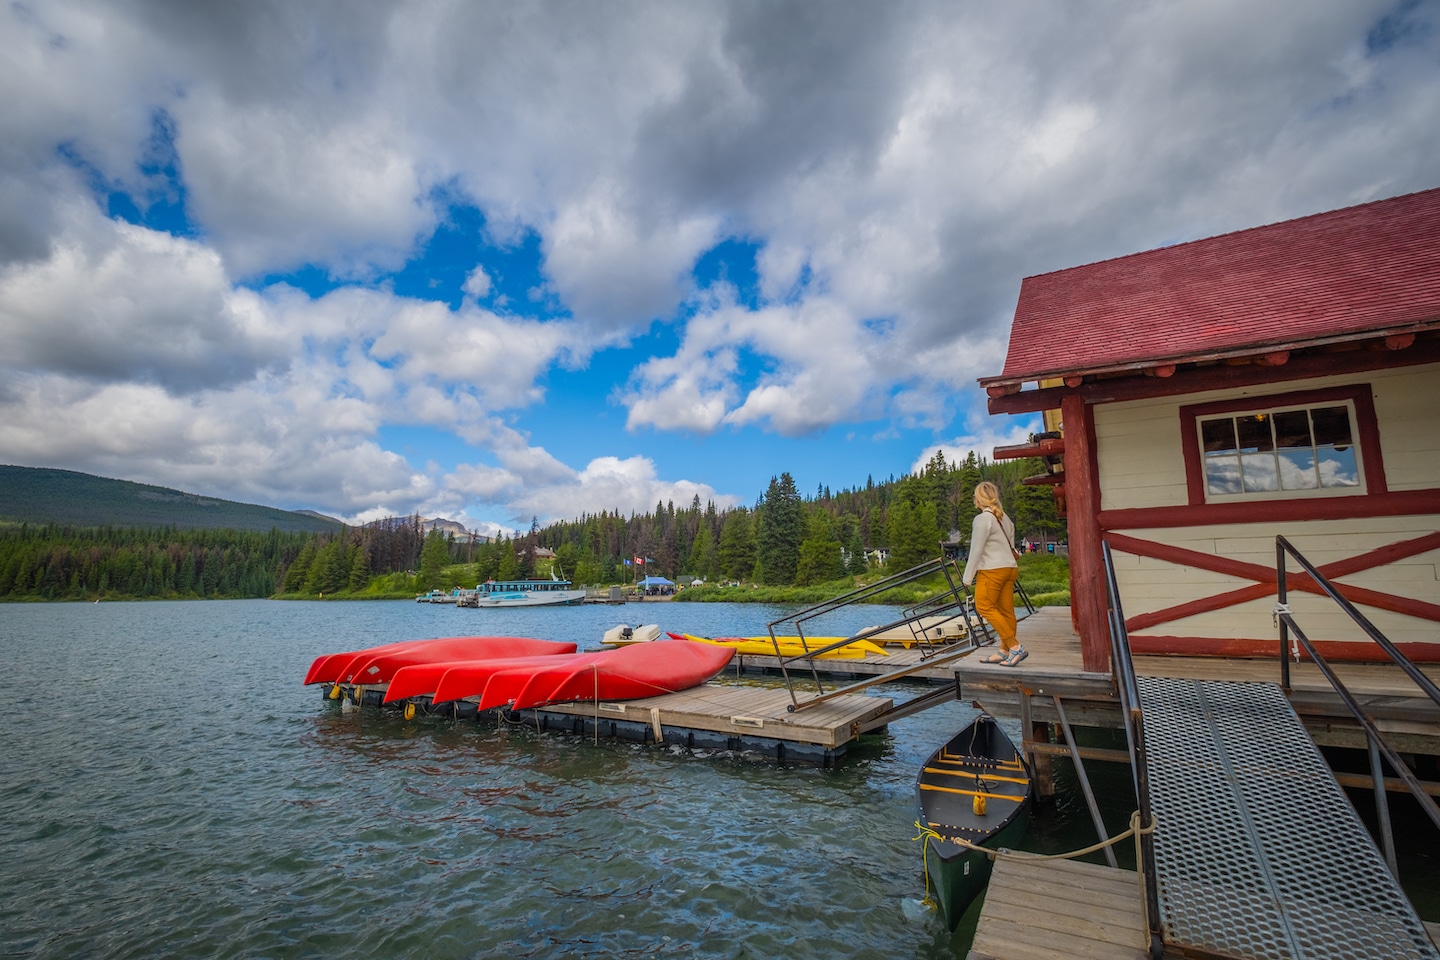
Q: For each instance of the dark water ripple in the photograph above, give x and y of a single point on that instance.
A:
(170, 790)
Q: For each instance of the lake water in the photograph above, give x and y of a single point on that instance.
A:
(171, 790)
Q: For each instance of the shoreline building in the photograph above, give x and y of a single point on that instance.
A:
(1207, 396)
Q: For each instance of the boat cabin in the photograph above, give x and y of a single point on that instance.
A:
(1204, 397)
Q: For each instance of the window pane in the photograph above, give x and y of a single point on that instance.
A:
(1297, 469)
(1332, 426)
(1292, 430)
(1338, 467)
(1254, 434)
(1258, 470)
(1218, 436)
(1222, 474)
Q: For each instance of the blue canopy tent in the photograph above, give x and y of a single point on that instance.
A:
(656, 582)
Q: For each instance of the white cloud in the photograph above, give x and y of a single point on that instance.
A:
(899, 169)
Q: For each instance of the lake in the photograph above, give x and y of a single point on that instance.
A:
(172, 790)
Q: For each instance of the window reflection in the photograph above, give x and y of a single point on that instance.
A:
(1267, 452)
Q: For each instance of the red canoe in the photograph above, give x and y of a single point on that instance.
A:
(475, 679)
(626, 673)
(379, 664)
(420, 679)
(327, 668)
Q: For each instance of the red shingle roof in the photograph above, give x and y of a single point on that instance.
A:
(1352, 272)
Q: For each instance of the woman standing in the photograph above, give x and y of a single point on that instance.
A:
(992, 569)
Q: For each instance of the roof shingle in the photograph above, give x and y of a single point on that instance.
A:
(1351, 272)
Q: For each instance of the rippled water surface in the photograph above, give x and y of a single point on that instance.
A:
(171, 790)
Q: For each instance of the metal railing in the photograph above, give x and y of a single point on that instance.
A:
(950, 605)
(1128, 690)
(1292, 638)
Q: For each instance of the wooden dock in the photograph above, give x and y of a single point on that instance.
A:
(716, 715)
(1059, 909)
(1410, 722)
(738, 717)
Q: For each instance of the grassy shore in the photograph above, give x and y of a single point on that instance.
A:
(1045, 577)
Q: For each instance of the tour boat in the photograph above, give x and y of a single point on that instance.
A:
(975, 789)
(524, 593)
(379, 664)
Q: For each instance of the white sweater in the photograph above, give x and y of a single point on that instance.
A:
(991, 545)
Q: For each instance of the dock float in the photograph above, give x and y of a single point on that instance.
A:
(713, 716)
(1047, 909)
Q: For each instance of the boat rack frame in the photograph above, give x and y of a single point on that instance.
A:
(953, 604)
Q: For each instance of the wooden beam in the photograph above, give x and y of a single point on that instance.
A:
(1397, 504)
(1087, 582)
(1046, 447)
(1301, 366)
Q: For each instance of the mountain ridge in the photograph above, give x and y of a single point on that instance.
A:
(52, 495)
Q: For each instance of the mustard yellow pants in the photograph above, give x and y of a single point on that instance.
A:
(995, 601)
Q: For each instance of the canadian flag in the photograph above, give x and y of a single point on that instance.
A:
(639, 561)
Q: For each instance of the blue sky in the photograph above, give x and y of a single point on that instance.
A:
(493, 263)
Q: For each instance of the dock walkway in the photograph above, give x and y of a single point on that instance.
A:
(1258, 850)
(1054, 909)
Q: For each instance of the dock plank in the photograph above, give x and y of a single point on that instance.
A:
(1052, 909)
(753, 711)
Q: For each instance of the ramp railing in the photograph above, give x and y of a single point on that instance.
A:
(1128, 691)
(1292, 638)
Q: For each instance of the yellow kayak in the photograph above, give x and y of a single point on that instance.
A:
(791, 646)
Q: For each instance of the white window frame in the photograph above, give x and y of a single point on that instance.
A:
(1269, 410)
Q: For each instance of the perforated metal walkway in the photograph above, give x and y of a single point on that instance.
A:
(1260, 853)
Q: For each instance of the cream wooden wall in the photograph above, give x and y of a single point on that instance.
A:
(1141, 465)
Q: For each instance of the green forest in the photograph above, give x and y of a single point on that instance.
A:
(786, 546)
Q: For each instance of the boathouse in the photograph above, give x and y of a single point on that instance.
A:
(1213, 394)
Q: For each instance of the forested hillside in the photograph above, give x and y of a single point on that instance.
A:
(39, 495)
(784, 539)
(787, 538)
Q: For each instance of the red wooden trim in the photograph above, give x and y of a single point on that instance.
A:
(1048, 447)
(1180, 611)
(1087, 585)
(1219, 377)
(1366, 426)
(1418, 609)
(1394, 504)
(1342, 651)
(1381, 556)
(1406, 606)
(1265, 577)
(1190, 558)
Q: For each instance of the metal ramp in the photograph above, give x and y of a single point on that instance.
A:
(1258, 852)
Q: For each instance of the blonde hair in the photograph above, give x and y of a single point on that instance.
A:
(987, 498)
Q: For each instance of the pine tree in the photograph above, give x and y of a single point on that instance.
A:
(434, 556)
(777, 543)
(737, 546)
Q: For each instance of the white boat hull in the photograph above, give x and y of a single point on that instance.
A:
(525, 598)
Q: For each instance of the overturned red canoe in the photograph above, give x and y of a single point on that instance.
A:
(627, 673)
(641, 670)
(421, 679)
(506, 677)
(379, 664)
(327, 667)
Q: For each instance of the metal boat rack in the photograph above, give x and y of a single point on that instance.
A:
(927, 623)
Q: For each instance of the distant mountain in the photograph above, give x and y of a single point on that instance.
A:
(445, 526)
(41, 495)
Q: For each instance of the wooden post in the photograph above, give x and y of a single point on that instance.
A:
(1087, 582)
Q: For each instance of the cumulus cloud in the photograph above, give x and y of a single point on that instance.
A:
(898, 170)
